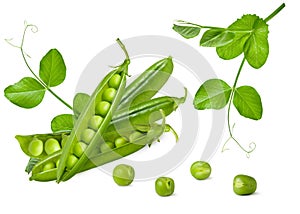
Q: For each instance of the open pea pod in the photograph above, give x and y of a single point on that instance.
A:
(94, 119)
(156, 130)
(41, 145)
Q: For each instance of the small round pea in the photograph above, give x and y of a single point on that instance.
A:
(95, 122)
(244, 185)
(64, 140)
(71, 161)
(51, 146)
(79, 149)
(115, 81)
(102, 108)
(107, 146)
(48, 166)
(109, 94)
(87, 135)
(200, 170)
(123, 174)
(164, 186)
(36, 147)
(120, 141)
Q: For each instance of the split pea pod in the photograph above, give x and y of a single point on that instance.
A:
(99, 110)
(133, 145)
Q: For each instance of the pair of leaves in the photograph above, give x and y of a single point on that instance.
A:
(29, 92)
(248, 35)
(65, 122)
(215, 94)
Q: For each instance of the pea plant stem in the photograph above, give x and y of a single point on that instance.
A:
(30, 69)
(230, 128)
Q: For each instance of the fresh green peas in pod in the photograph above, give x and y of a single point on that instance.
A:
(36, 147)
(57, 163)
(107, 146)
(95, 122)
(200, 170)
(109, 94)
(244, 185)
(115, 81)
(79, 149)
(123, 174)
(52, 145)
(102, 108)
(164, 186)
(120, 141)
(71, 161)
(87, 135)
(48, 166)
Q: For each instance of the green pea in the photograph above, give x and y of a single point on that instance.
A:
(120, 141)
(57, 163)
(48, 166)
(87, 135)
(36, 147)
(123, 174)
(135, 135)
(102, 108)
(71, 161)
(200, 170)
(95, 122)
(109, 94)
(115, 81)
(164, 186)
(51, 146)
(79, 149)
(64, 140)
(107, 146)
(244, 185)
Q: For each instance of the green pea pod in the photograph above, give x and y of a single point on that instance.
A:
(142, 89)
(145, 86)
(26, 141)
(143, 113)
(152, 135)
(95, 106)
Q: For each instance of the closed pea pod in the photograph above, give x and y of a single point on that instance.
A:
(95, 106)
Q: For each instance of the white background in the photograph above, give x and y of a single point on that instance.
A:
(80, 31)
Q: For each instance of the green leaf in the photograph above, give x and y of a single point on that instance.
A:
(79, 102)
(52, 68)
(27, 93)
(256, 48)
(251, 37)
(31, 163)
(187, 31)
(248, 103)
(212, 94)
(216, 38)
(62, 122)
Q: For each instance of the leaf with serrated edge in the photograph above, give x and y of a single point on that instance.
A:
(212, 94)
(248, 102)
(248, 28)
(216, 38)
(52, 68)
(27, 93)
(186, 31)
(62, 122)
